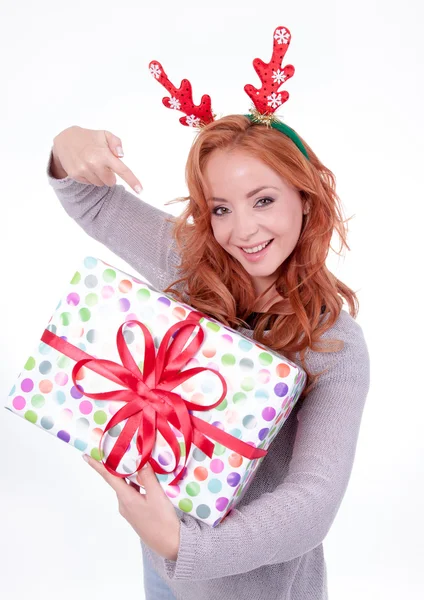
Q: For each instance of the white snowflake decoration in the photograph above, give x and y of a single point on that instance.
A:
(274, 100)
(155, 71)
(192, 121)
(174, 103)
(279, 76)
(282, 36)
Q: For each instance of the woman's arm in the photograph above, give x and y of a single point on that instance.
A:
(134, 230)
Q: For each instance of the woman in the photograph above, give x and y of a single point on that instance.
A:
(252, 243)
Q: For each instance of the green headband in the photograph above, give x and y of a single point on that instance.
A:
(288, 131)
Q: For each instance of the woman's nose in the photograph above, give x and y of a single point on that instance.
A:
(245, 227)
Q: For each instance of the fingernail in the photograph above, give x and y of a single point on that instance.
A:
(85, 457)
(138, 189)
(119, 151)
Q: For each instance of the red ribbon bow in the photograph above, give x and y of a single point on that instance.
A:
(150, 403)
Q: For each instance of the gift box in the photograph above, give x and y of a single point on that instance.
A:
(126, 374)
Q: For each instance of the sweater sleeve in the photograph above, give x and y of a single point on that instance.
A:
(296, 517)
(134, 230)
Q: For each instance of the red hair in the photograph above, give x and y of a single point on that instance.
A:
(217, 284)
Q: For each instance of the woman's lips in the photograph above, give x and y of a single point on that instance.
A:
(255, 256)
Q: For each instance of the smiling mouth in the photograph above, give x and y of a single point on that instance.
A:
(256, 249)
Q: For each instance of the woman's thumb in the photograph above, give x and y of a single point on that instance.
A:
(114, 144)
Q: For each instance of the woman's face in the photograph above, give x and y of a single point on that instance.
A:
(255, 215)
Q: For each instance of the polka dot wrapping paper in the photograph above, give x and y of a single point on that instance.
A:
(262, 387)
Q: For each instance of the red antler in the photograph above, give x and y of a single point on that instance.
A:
(267, 99)
(182, 99)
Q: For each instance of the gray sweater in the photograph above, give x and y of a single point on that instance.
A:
(270, 546)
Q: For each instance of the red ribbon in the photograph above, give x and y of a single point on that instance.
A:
(150, 403)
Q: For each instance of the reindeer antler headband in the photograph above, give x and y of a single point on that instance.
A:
(266, 100)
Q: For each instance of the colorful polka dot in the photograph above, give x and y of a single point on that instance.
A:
(249, 421)
(143, 295)
(91, 281)
(96, 434)
(281, 389)
(235, 460)
(268, 413)
(91, 299)
(45, 386)
(246, 364)
(90, 262)
(27, 385)
(97, 454)
(233, 479)
(100, 417)
(19, 402)
(228, 360)
(59, 397)
(245, 345)
(45, 367)
(44, 348)
(264, 376)
(247, 384)
(179, 313)
(73, 299)
(200, 473)
(164, 301)
(265, 358)
(239, 397)
(124, 304)
(85, 407)
(215, 486)
(203, 511)
(109, 275)
(80, 445)
(38, 401)
(107, 292)
(75, 393)
(221, 504)
(47, 422)
(92, 336)
(125, 286)
(208, 351)
(263, 433)
(31, 416)
(282, 370)
(61, 378)
(84, 314)
(216, 465)
(185, 505)
(63, 361)
(193, 489)
(30, 364)
(76, 278)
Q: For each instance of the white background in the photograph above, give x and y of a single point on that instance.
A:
(357, 98)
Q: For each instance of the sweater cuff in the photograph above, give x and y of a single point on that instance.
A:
(183, 567)
(56, 183)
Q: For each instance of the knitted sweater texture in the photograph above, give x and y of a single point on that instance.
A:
(270, 546)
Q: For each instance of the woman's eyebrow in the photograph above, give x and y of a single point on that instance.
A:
(249, 195)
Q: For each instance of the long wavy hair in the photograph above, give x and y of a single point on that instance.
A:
(215, 283)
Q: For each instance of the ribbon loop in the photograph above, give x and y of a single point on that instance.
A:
(150, 405)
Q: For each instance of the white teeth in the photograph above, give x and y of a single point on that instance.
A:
(256, 248)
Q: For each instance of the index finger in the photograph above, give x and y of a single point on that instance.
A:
(116, 483)
(124, 172)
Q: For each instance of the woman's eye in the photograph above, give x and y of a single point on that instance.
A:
(218, 211)
(264, 201)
